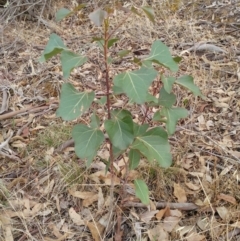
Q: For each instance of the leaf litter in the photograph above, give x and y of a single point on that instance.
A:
(52, 197)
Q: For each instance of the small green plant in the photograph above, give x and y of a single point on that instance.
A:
(124, 135)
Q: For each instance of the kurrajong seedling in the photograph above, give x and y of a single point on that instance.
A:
(125, 136)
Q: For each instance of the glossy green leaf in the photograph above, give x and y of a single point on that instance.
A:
(62, 13)
(173, 115)
(187, 82)
(134, 159)
(165, 99)
(141, 190)
(168, 83)
(73, 103)
(154, 146)
(70, 61)
(112, 41)
(149, 12)
(54, 46)
(160, 54)
(98, 16)
(87, 141)
(136, 83)
(120, 129)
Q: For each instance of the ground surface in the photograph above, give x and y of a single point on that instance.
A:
(46, 194)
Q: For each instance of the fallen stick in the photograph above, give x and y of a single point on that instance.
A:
(30, 109)
(180, 206)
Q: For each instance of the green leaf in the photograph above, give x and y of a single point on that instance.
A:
(120, 129)
(117, 152)
(95, 121)
(70, 61)
(165, 99)
(168, 83)
(154, 146)
(112, 41)
(187, 82)
(177, 59)
(141, 190)
(98, 16)
(139, 130)
(54, 46)
(73, 103)
(158, 131)
(123, 53)
(87, 141)
(62, 13)
(151, 98)
(158, 117)
(149, 12)
(134, 157)
(160, 54)
(173, 115)
(136, 83)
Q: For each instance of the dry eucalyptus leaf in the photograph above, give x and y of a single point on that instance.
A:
(76, 218)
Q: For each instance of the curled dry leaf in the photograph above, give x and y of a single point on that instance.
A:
(88, 201)
(96, 230)
(192, 186)
(223, 213)
(82, 195)
(158, 234)
(170, 223)
(179, 193)
(227, 198)
(76, 218)
(147, 216)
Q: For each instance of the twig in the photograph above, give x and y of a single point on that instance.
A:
(64, 146)
(27, 110)
(180, 206)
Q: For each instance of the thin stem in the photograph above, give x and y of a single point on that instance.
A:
(108, 86)
(107, 67)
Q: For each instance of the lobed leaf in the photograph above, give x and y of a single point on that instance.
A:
(87, 141)
(70, 61)
(160, 54)
(173, 115)
(54, 46)
(165, 99)
(136, 83)
(73, 103)
(154, 146)
(187, 82)
(120, 129)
